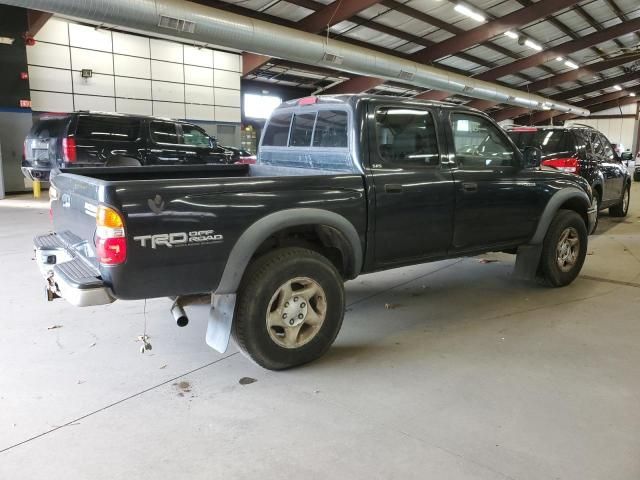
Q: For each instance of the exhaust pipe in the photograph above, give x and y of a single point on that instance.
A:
(179, 315)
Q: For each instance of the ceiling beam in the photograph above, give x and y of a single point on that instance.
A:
(36, 20)
(492, 29)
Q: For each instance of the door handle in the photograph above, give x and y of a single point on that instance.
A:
(470, 187)
(393, 188)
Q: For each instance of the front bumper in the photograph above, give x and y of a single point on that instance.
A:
(67, 274)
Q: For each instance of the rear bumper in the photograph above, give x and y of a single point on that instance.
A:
(36, 173)
(68, 275)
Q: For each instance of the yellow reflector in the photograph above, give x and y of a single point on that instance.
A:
(108, 217)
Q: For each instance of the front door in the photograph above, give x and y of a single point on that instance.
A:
(497, 201)
(413, 187)
(165, 148)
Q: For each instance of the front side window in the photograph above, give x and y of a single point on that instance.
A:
(302, 129)
(606, 147)
(277, 131)
(479, 144)
(164, 132)
(331, 129)
(596, 143)
(194, 136)
(406, 137)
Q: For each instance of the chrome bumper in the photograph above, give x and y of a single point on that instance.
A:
(68, 275)
(36, 174)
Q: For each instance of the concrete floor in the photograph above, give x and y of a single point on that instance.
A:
(471, 376)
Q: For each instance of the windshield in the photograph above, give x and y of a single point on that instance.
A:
(549, 141)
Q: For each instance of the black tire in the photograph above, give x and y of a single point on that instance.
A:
(598, 197)
(259, 287)
(621, 209)
(636, 176)
(123, 162)
(550, 272)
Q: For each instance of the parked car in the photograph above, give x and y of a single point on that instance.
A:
(91, 139)
(584, 151)
(344, 185)
(242, 156)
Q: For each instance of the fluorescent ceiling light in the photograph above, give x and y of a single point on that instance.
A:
(532, 44)
(559, 59)
(469, 13)
(511, 34)
(570, 64)
(617, 87)
(7, 40)
(632, 94)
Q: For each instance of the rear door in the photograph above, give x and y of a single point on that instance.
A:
(164, 147)
(198, 147)
(497, 201)
(99, 138)
(412, 182)
(612, 169)
(610, 190)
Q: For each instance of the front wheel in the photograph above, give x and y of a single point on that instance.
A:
(290, 308)
(621, 209)
(564, 249)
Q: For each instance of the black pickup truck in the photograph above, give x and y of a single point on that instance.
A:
(343, 185)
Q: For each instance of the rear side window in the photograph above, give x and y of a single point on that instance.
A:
(277, 132)
(549, 141)
(331, 129)
(49, 127)
(302, 129)
(108, 128)
(164, 132)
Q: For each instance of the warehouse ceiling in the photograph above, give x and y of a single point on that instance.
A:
(567, 50)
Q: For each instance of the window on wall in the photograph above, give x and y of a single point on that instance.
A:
(331, 129)
(406, 137)
(260, 106)
(277, 131)
(164, 132)
(194, 136)
(302, 129)
(478, 143)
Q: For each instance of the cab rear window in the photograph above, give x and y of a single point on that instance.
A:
(108, 128)
(325, 128)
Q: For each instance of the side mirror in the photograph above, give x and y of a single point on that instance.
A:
(532, 157)
(626, 156)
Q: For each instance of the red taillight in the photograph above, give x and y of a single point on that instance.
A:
(307, 101)
(569, 165)
(111, 241)
(69, 149)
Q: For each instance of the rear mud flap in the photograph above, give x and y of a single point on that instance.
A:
(527, 261)
(220, 321)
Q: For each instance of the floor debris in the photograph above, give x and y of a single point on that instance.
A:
(247, 381)
(391, 306)
(53, 327)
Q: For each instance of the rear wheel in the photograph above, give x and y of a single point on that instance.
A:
(290, 308)
(596, 199)
(564, 249)
(621, 209)
(636, 176)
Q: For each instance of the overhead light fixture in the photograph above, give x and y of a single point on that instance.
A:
(560, 59)
(7, 40)
(532, 44)
(617, 87)
(511, 34)
(469, 13)
(632, 94)
(570, 64)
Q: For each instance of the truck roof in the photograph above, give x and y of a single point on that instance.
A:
(353, 99)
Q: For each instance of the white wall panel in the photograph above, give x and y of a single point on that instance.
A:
(198, 94)
(96, 85)
(49, 79)
(222, 78)
(227, 114)
(202, 57)
(165, 91)
(54, 31)
(226, 61)
(200, 112)
(139, 107)
(198, 75)
(166, 71)
(89, 37)
(131, 45)
(99, 62)
(133, 88)
(167, 51)
(131, 66)
(169, 110)
(49, 55)
(51, 102)
(227, 98)
(100, 104)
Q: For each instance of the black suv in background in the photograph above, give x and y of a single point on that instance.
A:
(584, 151)
(87, 139)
